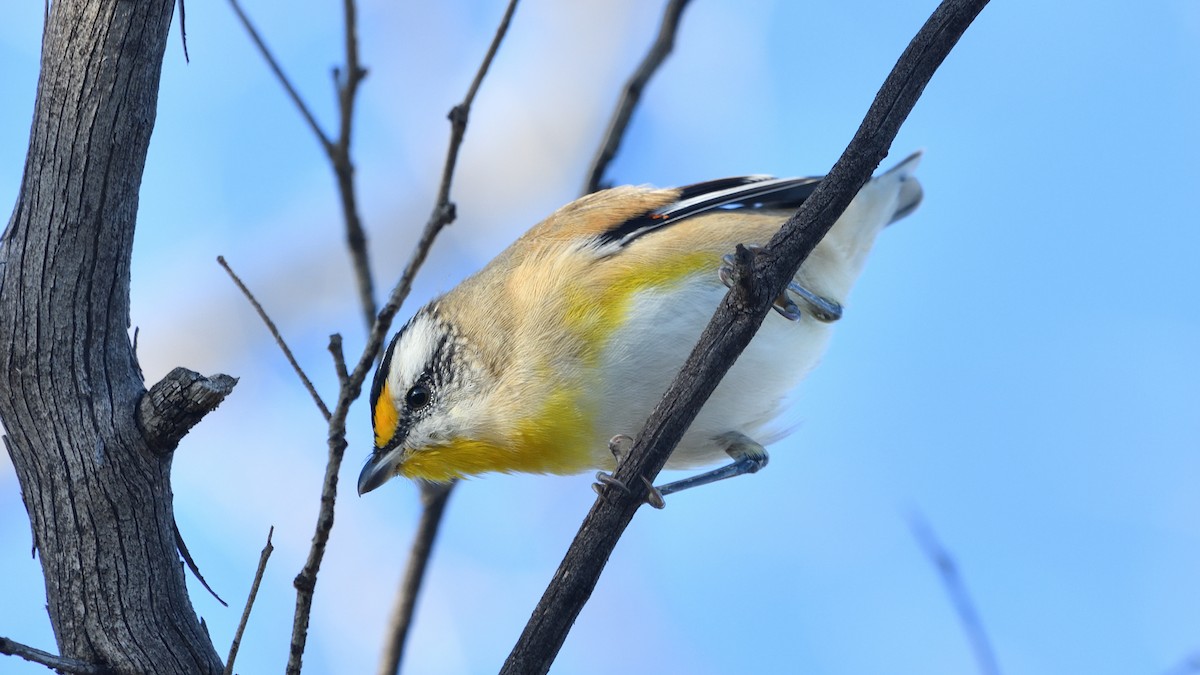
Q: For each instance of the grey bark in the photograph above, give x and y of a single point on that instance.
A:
(96, 484)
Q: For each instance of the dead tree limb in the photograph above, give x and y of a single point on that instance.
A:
(93, 463)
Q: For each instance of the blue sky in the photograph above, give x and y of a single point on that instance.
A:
(1018, 364)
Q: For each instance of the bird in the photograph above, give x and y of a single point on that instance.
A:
(551, 357)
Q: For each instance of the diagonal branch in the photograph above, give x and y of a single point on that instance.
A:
(442, 215)
(947, 570)
(632, 94)
(262, 313)
(760, 279)
(60, 664)
(191, 564)
(346, 83)
(305, 112)
(258, 575)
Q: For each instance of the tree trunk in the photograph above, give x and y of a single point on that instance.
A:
(92, 452)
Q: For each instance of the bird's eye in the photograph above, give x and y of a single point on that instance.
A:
(417, 397)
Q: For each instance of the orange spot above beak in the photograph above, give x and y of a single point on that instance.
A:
(385, 417)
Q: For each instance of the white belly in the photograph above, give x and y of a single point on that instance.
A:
(646, 353)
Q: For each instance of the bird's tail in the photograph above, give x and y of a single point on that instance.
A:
(909, 196)
(885, 199)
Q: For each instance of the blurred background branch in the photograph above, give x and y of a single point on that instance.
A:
(952, 581)
(346, 80)
(631, 94)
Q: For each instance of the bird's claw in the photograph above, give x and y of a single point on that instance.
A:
(821, 308)
(605, 479)
(619, 446)
(653, 496)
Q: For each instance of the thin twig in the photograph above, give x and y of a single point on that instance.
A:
(433, 502)
(632, 94)
(339, 359)
(326, 144)
(443, 214)
(262, 313)
(183, 30)
(444, 209)
(947, 570)
(61, 664)
(258, 575)
(346, 82)
(759, 280)
(191, 563)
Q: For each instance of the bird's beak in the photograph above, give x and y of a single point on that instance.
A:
(379, 469)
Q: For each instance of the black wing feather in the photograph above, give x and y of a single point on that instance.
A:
(742, 192)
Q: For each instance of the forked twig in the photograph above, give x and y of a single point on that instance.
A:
(258, 575)
(947, 571)
(346, 81)
(442, 215)
(262, 313)
(760, 279)
(631, 95)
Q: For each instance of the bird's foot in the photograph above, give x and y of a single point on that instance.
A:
(821, 308)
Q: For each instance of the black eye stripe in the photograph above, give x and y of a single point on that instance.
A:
(441, 363)
(416, 402)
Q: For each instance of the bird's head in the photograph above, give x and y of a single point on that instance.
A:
(424, 403)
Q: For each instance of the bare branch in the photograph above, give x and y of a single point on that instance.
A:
(762, 277)
(262, 313)
(258, 575)
(183, 30)
(347, 81)
(632, 94)
(948, 572)
(433, 501)
(460, 113)
(326, 144)
(339, 359)
(443, 214)
(177, 403)
(191, 563)
(57, 663)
